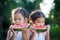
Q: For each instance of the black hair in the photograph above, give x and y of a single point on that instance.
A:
(23, 12)
(37, 14)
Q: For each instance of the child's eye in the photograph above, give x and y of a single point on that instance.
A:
(19, 19)
(15, 19)
(43, 21)
(38, 21)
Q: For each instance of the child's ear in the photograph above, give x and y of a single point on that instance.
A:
(10, 19)
(26, 20)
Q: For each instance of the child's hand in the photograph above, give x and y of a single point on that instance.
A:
(32, 31)
(47, 33)
(11, 34)
(48, 28)
(11, 29)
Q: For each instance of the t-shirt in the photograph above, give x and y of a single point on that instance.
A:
(40, 36)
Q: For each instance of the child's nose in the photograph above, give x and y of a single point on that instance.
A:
(17, 20)
(39, 24)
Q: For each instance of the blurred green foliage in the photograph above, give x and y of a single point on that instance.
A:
(57, 12)
(55, 32)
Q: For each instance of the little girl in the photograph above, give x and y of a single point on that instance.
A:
(38, 19)
(19, 19)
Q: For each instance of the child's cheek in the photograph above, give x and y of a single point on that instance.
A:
(37, 24)
(42, 24)
(22, 21)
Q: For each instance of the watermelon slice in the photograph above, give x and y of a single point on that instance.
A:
(40, 28)
(19, 27)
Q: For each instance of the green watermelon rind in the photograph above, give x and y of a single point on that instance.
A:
(17, 29)
(41, 30)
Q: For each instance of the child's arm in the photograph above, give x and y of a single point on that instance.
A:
(9, 35)
(47, 36)
(33, 34)
(25, 34)
(47, 33)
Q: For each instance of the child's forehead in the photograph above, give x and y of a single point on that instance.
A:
(18, 15)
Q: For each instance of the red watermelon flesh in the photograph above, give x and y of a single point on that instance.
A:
(40, 28)
(19, 27)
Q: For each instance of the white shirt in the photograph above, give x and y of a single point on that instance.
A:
(18, 36)
(40, 36)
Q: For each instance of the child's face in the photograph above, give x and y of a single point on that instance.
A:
(18, 18)
(40, 21)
